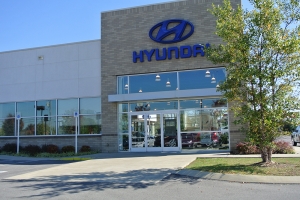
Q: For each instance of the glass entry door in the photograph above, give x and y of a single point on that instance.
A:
(153, 132)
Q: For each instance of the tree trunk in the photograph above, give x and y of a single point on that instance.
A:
(266, 154)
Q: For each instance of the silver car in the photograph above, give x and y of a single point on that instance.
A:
(296, 136)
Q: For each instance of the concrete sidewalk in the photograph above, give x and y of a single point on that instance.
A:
(148, 168)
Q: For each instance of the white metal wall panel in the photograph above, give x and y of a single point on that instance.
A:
(66, 71)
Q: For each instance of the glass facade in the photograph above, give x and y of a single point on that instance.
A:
(51, 117)
(203, 123)
(169, 81)
(200, 123)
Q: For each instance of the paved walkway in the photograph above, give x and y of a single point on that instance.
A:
(146, 168)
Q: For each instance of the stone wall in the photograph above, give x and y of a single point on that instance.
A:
(93, 141)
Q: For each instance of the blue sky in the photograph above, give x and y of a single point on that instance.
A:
(35, 23)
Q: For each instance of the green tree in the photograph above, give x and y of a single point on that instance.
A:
(260, 51)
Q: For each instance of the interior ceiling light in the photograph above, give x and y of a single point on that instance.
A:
(168, 84)
(157, 78)
(126, 86)
(140, 90)
(207, 74)
(217, 86)
(213, 80)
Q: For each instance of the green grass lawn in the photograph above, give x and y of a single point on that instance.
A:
(247, 166)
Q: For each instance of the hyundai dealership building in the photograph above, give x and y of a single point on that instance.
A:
(145, 86)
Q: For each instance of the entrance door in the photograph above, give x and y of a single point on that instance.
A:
(153, 132)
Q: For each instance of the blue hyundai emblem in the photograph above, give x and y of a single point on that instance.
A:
(177, 30)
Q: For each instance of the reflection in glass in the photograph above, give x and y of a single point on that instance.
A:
(123, 123)
(123, 107)
(148, 84)
(67, 106)
(45, 126)
(47, 108)
(153, 130)
(7, 126)
(202, 103)
(170, 130)
(199, 79)
(203, 119)
(7, 110)
(137, 131)
(153, 106)
(27, 126)
(90, 105)
(26, 109)
(123, 85)
(66, 125)
(90, 124)
(123, 142)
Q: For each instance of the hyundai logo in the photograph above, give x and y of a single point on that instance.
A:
(178, 31)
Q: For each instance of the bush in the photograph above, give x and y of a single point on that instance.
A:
(50, 148)
(32, 150)
(67, 149)
(282, 147)
(247, 148)
(10, 148)
(85, 148)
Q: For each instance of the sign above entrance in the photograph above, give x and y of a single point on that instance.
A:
(167, 32)
(180, 31)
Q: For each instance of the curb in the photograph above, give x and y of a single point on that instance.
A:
(240, 178)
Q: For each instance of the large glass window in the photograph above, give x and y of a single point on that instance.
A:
(26, 108)
(90, 105)
(51, 117)
(67, 106)
(7, 110)
(90, 115)
(7, 119)
(199, 79)
(169, 81)
(27, 126)
(46, 117)
(152, 106)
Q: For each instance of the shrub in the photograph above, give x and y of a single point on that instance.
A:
(50, 148)
(68, 148)
(247, 148)
(282, 147)
(85, 148)
(10, 148)
(32, 150)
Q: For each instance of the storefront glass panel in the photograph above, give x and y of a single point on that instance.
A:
(90, 124)
(66, 125)
(7, 110)
(153, 106)
(198, 79)
(149, 83)
(45, 126)
(90, 105)
(26, 108)
(123, 123)
(27, 126)
(67, 106)
(7, 126)
(46, 108)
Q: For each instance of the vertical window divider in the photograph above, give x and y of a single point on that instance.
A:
(35, 118)
(56, 117)
(178, 81)
(78, 122)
